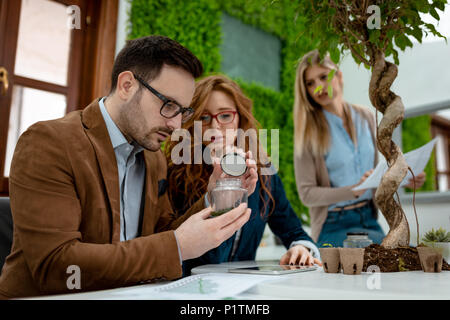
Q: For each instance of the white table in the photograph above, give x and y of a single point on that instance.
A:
(320, 285)
(317, 284)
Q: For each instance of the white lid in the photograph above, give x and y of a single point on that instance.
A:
(233, 164)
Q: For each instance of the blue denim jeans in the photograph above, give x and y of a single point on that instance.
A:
(338, 223)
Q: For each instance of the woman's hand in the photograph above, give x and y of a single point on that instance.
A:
(358, 193)
(216, 174)
(420, 180)
(299, 255)
(249, 179)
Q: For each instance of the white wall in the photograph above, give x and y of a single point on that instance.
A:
(423, 76)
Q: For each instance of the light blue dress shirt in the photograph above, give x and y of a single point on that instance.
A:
(346, 163)
(131, 170)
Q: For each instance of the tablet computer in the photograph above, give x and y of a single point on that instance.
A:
(273, 269)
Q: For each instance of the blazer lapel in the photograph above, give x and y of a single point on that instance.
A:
(97, 133)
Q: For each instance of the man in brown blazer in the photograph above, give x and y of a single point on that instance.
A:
(88, 190)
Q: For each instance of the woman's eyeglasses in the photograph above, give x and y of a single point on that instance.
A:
(170, 108)
(225, 117)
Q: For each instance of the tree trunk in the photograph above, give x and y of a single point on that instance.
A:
(391, 106)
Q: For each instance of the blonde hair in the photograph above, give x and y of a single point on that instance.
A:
(310, 125)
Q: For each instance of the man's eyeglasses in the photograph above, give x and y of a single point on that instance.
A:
(170, 108)
(225, 117)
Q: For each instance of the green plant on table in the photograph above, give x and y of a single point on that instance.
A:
(402, 265)
(439, 235)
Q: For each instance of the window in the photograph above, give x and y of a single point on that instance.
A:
(420, 125)
(250, 54)
(48, 63)
(440, 128)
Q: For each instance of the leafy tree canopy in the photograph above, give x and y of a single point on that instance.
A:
(365, 27)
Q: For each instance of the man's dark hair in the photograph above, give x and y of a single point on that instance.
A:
(146, 56)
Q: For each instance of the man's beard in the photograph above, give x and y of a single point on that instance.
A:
(135, 128)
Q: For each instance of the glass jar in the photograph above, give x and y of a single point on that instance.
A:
(227, 195)
(357, 240)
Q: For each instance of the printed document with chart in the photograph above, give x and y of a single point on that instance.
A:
(197, 287)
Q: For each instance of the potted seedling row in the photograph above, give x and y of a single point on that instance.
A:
(350, 260)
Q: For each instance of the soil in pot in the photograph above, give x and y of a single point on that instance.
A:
(394, 260)
(352, 260)
(330, 260)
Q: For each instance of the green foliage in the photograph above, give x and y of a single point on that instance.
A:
(440, 235)
(415, 133)
(196, 25)
(318, 88)
(402, 265)
(343, 25)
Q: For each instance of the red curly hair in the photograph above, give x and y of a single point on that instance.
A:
(189, 182)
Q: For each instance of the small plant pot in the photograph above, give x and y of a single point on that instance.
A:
(441, 247)
(430, 259)
(352, 260)
(330, 260)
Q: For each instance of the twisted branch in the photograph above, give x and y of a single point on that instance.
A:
(391, 106)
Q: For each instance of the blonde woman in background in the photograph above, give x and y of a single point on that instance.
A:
(334, 151)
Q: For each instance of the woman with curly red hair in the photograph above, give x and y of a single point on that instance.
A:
(222, 108)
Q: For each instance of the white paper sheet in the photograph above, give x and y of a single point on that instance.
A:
(417, 159)
(197, 287)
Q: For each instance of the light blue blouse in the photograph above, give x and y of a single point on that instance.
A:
(346, 163)
(131, 171)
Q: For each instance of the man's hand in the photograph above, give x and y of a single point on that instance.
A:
(198, 234)
(420, 180)
(299, 255)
